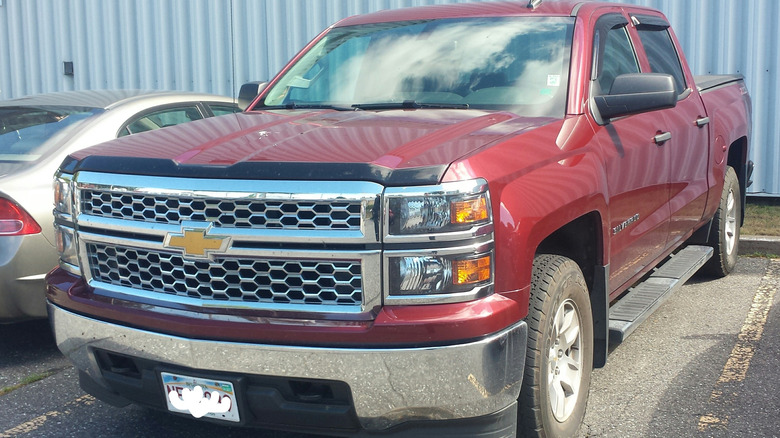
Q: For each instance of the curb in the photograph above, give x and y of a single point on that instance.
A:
(759, 245)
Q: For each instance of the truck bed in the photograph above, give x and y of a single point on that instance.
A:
(708, 82)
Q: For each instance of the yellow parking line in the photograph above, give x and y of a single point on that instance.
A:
(37, 422)
(738, 363)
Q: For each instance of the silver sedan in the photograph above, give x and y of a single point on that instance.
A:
(36, 133)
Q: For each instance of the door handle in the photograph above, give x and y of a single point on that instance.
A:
(662, 138)
(702, 122)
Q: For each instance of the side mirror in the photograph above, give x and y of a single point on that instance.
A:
(636, 93)
(249, 91)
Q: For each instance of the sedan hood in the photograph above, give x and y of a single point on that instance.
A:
(390, 147)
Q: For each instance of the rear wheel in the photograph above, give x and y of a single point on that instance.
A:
(724, 234)
(560, 350)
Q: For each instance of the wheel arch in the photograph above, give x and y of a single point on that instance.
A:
(583, 241)
(577, 229)
(580, 240)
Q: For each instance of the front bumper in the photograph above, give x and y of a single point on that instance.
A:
(388, 386)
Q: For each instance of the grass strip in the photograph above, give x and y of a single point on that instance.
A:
(762, 218)
(32, 378)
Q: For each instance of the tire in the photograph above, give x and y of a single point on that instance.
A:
(724, 234)
(553, 397)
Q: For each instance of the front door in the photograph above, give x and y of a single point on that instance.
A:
(637, 167)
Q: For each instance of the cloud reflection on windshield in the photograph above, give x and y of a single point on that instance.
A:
(476, 61)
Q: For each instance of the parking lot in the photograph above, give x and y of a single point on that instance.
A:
(704, 364)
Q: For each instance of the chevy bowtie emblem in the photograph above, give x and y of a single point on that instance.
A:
(195, 242)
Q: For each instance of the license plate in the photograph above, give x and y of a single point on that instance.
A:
(193, 395)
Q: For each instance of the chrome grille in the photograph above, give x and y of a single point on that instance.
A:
(226, 213)
(246, 280)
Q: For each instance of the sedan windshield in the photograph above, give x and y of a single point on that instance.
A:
(27, 133)
(519, 64)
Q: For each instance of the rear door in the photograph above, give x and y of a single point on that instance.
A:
(688, 146)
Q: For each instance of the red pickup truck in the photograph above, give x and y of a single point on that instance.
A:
(432, 222)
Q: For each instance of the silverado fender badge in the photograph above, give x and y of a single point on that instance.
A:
(625, 224)
(195, 242)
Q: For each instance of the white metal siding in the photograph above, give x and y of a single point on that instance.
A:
(737, 36)
(160, 44)
(216, 45)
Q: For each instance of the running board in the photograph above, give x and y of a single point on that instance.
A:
(644, 298)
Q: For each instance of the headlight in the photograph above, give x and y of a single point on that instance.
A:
(444, 208)
(422, 275)
(63, 196)
(64, 230)
(433, 275)
(439, 243)
(460, 276)
(66, 246)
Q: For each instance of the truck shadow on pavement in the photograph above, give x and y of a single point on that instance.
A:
(740, 395)
(687, 398)
(27, 347)
(26, 341)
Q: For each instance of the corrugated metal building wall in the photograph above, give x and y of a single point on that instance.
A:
(737, 36)
(216, 45)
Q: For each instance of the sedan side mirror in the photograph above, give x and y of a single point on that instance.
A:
(249, 91)
(636, 93)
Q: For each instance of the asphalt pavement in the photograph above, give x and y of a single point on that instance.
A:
(704, 364)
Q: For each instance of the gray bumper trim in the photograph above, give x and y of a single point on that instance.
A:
(389, 386)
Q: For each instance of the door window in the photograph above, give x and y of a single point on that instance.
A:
(161, 119)
(661, 54)
(221, 110)
(617, 58)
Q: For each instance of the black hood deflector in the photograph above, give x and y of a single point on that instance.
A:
(259, 170)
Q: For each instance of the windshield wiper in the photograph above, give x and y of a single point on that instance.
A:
(294, 105)
(409, 104)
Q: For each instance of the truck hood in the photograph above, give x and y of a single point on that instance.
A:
(392, 147)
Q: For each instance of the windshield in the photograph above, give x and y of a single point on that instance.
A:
(518, 63)
(28, 133)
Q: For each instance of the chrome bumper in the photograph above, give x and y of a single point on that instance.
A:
(389, 386)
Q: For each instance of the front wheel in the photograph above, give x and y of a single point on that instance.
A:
(724, 234)
(560, 350)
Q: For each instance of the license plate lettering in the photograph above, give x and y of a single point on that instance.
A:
(193, 395)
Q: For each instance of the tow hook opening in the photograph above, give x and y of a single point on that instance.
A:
(311, 392)
(117, 364)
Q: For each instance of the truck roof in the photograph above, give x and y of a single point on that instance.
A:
(561, 8)
(486, 9)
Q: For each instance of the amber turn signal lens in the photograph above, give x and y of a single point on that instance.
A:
(471, 271)
(472, 210)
